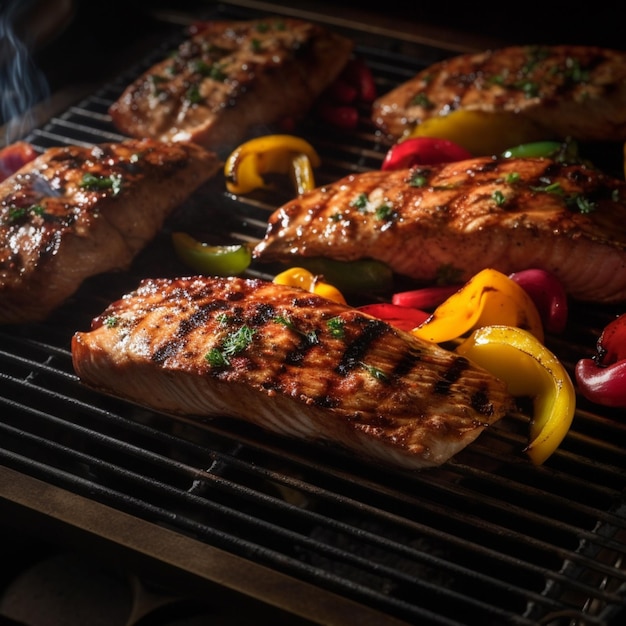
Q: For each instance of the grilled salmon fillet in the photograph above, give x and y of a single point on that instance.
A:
(75, 211)
(566, 90)
(290, 362)
(231, 76)
(459, 218)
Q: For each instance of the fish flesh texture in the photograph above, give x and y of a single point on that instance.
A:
(456, 219)
(565, 90)
(77, 211)
(230, 77)
(290, 362)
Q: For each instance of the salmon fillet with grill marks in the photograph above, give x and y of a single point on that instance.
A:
(568, 91)
(459, 218)
(290, 362)
(74, 212)
(231, 76)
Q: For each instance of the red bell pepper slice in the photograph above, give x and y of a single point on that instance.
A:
(427, 298)
(548, 294)
(602, 379)
(14, 156)
(423, 151)
(611, 345)
(602, 385)
(404, 318)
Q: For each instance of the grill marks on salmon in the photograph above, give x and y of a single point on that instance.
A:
(74, 212)
(290, 362)
(568, 91)
(231, 76)
(507, 214)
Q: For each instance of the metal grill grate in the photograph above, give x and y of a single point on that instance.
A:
(486, 539)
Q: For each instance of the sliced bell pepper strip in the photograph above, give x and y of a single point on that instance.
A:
(402, 317)
(301, 172)
(611, 345)
(229, 260)
(479, 132)
(488, 298)
(561, 151)
(14, 156)
(359, 276)
(423, 151)
(427, 298)
(245, 166)
(602, 379)
(605, 385)
(302, 278)
(529, 369)
(548, 294)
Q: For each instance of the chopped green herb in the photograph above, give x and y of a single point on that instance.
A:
(310, 336)
(255, 44)
(193, 94)
(384, 212)
(554, 188)
(360, 202)
(238, 341)
(156, 82)
(418, 179)
(512, 177)
(111, 321)
(376, 372)
(498, 197)
(232, 344)
(101, 183)
(336, 326)
(17, 214)
(222, 319)
(582, 204)
(216, 358)
(422, 100)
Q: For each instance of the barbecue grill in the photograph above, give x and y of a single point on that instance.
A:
(290, 531)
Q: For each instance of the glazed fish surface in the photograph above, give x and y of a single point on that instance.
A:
(74, 212)
(570, 91)
(290, 362)
(459, 218)
(231, 76)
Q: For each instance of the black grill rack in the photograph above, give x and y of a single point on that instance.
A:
(320, 535)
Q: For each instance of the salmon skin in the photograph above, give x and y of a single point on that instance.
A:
(290, 362)
(231, 76)
(568, 91)
(74, 212)
(459, 218)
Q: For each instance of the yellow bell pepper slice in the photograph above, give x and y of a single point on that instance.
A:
(479, 132)
(529, 369)
(489, 297)
(302, 278)
(228, 260)
(280, 154)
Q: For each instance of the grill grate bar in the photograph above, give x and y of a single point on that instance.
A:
(139, 452)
